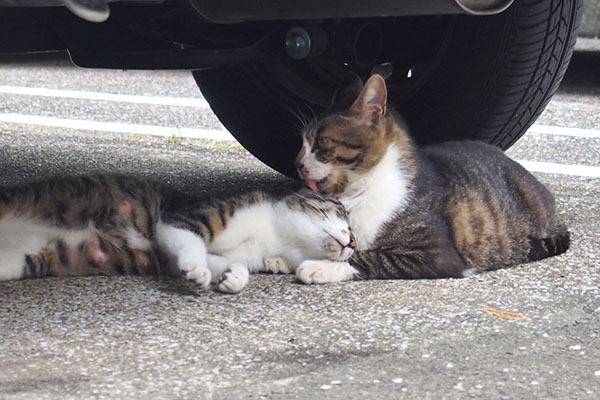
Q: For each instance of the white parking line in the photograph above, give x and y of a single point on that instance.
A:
(563, 169)
(192, 133)
(125, 98)
(564, 131)
(118, 127)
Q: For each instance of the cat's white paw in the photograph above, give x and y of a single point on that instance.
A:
(276, 265)
(234, 279)
(197, 273)
(324, 271)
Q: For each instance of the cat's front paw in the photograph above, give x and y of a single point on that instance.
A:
(198, 273)
(276, 265)
(234, 279)
(324, 271)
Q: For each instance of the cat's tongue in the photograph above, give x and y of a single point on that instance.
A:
(312, 184)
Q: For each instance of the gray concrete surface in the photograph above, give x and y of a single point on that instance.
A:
(161, 338)
(590, 22)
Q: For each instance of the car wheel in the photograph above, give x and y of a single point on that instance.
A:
(482, 78)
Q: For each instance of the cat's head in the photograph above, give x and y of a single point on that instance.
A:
(323, 223)
(344, 145)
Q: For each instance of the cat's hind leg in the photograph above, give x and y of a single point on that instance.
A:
(21, 237)
(556, 243)
(12, 265)
(41, 264)
(188, 250)
(48, 261)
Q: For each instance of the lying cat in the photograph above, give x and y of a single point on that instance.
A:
(445, 210)
(110, 225)
(254, 232)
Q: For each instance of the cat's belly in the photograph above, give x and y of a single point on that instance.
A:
(18, 237)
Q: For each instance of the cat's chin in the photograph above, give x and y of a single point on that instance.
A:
(345, 254)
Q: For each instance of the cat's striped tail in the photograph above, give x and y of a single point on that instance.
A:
(553, 245)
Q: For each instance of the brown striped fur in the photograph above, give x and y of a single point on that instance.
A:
(209, 218)
(108, 207)
(467, 206)
(114, 221)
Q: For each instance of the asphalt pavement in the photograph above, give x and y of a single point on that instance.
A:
(527, 332)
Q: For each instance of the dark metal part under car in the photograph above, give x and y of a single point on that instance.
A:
(230, 11)
(257, 10)
(193, 34)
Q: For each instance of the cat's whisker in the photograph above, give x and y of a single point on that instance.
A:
(299, 115)
(296, 127)
(314, 115)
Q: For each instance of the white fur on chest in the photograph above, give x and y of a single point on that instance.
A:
(375, 197)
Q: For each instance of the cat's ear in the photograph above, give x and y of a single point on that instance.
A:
(372, 101)
(348, 90)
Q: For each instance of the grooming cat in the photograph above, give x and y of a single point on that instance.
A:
(111, 225)
(445, 210)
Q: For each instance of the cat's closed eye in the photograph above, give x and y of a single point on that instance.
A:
(323, 141)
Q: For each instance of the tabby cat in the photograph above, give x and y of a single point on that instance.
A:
(445, 210)
(111, 225)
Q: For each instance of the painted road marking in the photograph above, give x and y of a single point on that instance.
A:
(191, 133)
(126, 98)
(201, 103)
(564, 131)
(118, 127)
(563, 169)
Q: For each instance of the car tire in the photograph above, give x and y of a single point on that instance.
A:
(490, 80)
